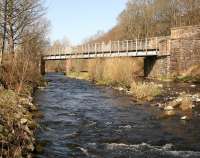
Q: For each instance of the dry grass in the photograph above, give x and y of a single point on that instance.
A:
(193, 71)
(79, 65)
(95, 69)
(21, 74)
(121, 71)
(55, 66)
(186, 103)
(78, 75)
(116, 71)
(192, 74)
(145, 91)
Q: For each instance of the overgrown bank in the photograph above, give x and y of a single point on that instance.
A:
(122, 74)
(19, 78)
(17, 124)
(23, 40)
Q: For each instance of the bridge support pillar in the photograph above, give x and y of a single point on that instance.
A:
(157, 67)
(42, 66)
(68, 65)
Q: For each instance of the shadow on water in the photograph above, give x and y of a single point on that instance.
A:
(83, 120)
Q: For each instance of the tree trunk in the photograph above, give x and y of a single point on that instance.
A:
(4, 31)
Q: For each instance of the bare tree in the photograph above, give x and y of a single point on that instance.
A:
(19, 16)
(3, 15)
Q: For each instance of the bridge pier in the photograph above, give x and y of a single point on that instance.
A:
(68, 65)
(42, 66)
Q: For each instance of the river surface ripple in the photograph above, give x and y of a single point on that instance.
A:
(82, 120)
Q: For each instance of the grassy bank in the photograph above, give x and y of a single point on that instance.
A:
(116, 72)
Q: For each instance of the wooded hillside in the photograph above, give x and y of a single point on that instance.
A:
(147, 18)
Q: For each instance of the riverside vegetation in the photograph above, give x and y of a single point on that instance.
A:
(23, 40)
(122, 74)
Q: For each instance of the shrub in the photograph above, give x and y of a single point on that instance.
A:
(20, 73)
(145, 91)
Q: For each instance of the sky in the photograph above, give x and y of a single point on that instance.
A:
(79, 19)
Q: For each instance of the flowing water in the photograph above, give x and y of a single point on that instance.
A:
(82, 120)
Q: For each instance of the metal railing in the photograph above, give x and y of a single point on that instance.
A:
(124, 46)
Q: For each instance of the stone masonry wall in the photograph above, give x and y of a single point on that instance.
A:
(184, 54)
(176, 53)
(185, 48)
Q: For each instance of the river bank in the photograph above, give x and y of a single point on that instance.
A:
(177, 97)
(17, 123)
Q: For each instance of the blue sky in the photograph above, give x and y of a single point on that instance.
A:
(79, 19)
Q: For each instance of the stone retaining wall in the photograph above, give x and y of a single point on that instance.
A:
(177, 53)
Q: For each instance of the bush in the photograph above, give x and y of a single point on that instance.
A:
(21, 73)
(145, 91)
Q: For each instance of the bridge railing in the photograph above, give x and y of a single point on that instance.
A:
(111, 47)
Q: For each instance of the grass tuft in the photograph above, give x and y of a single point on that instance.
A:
(145, 91)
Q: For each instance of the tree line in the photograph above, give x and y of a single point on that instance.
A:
(148, 18)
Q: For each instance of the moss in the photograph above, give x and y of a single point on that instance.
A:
(195, 79)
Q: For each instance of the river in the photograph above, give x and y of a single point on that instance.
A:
(82, 120)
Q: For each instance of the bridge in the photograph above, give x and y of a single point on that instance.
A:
(163, 56)
(149, 48)
(126, 48)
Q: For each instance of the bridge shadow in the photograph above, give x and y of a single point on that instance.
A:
(149, 63)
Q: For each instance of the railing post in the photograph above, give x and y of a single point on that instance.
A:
(95, 49)
(118, 46)
(88, 46)
(156, 45)
(136, 44)
(169, 49)
(127, 49)
(102, 47)
(110, 47)
(146, 45)
(82, 49)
